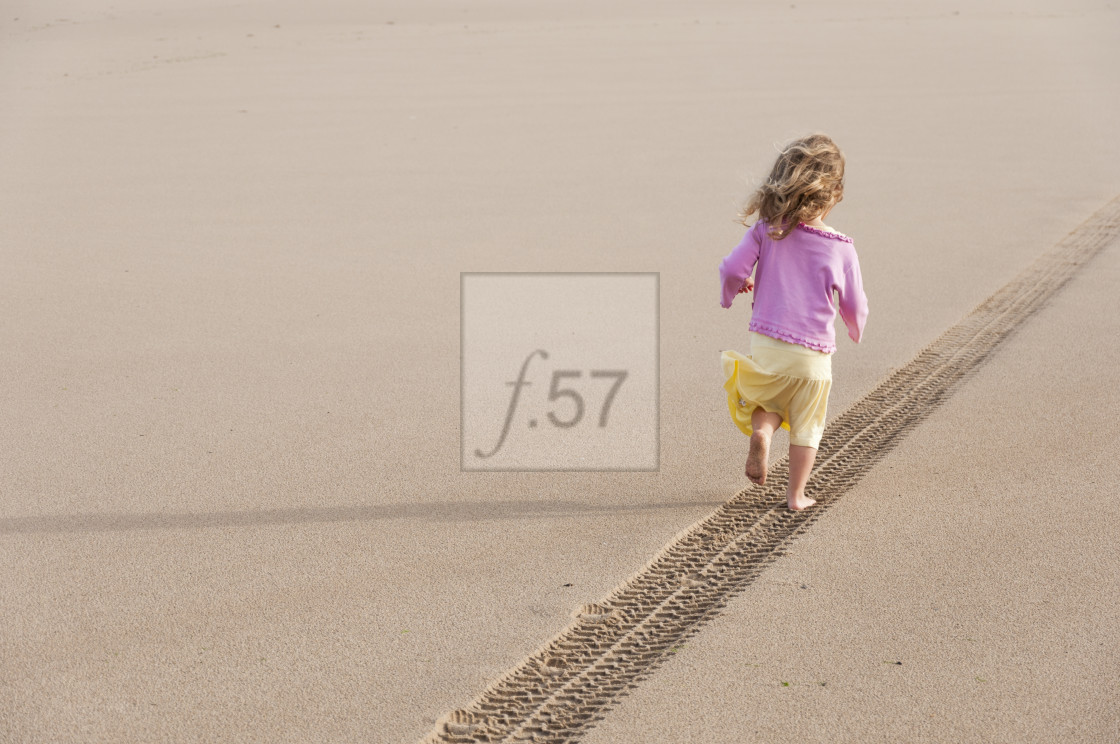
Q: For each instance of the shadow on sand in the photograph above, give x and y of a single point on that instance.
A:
(438, 511)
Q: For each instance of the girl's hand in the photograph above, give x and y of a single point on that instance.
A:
(747, 286)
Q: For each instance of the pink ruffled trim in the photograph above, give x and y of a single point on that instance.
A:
(791, 338)
(825, 233)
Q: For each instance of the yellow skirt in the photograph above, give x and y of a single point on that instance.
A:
(787, 379)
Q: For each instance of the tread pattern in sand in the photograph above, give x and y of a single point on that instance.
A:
(560, 690)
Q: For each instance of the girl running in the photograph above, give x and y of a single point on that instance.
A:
(798, 263)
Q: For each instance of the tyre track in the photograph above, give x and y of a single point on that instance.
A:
(561, 689)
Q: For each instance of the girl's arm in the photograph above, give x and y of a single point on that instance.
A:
(737, 266)
(853, 302)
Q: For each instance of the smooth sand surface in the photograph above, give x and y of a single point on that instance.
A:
(231, 241)
(965, 590)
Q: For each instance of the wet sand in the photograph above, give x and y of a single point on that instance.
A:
(233, 238)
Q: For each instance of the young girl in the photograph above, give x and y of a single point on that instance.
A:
(798, 263)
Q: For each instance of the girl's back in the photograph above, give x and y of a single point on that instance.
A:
(794, 284)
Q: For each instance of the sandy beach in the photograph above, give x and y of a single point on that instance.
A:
(962, 592)
(232, 240)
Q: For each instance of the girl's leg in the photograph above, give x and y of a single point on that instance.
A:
(764, 425)
(800, 464)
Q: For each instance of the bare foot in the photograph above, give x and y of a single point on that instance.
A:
(797, 503)
(757, 458)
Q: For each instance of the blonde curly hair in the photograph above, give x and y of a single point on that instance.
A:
(806, 181)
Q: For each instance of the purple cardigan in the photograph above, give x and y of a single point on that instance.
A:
(794, 283)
